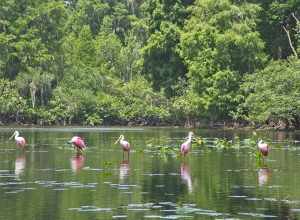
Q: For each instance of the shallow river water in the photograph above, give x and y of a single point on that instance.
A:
(49, 181)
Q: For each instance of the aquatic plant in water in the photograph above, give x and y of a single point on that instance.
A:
(164, 150)
(222, 143)
(198, 141)
(108, 168)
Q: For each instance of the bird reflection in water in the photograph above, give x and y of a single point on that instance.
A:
(20, 164)
(186, 176)
(124, 170)
(77, 162)
(264, 174)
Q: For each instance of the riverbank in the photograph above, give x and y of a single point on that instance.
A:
(155, 122)
(211, 125)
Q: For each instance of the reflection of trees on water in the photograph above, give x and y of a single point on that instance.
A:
(162, 182)
(282, 210)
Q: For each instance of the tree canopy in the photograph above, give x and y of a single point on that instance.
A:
(151, 62)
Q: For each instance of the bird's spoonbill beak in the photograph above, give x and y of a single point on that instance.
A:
(118, 139)
(12, 136)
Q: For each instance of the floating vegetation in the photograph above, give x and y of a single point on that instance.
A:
(162, 150)
(235, 143)
(198, 141)
(259, 158)
(107, 164)
(166, 147)
(107, 168)
(251, 142)
(223, 143)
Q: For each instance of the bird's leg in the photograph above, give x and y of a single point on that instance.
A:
(263, 160)
(260, 159)
(181, 156)
(128, 155)
(123, 155)
(79, 150)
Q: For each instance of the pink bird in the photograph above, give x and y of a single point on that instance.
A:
(20, 141)
(77, 143)
(124, 144)
(185, 147)
(263, 148)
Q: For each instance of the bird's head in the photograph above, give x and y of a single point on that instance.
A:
(191, 134)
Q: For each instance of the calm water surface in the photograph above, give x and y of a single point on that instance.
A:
(49, 181)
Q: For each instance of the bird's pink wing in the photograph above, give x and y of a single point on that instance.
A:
(78, 142)
(21, 141)
(125, 145)
(183, 147)
(81, 143)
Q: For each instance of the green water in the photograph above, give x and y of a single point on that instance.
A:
(48, 181)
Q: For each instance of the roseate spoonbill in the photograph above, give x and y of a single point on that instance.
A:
(186, 176)
(124, 144)
(20, 141)
(185, 147)
(77, 162)
(77, 143)
(263, 148)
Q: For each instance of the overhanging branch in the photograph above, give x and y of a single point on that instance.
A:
(290, 41)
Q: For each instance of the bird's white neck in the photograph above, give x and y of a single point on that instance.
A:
(190, 137)
(16, 134)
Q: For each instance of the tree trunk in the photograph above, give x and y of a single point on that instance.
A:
(33, 93)
(42, 96)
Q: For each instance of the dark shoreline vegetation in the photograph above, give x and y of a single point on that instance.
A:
(182, 62)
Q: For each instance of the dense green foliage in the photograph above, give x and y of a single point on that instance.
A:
(150, 62)
(274, 97)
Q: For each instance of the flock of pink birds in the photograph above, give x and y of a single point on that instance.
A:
(79, 144)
